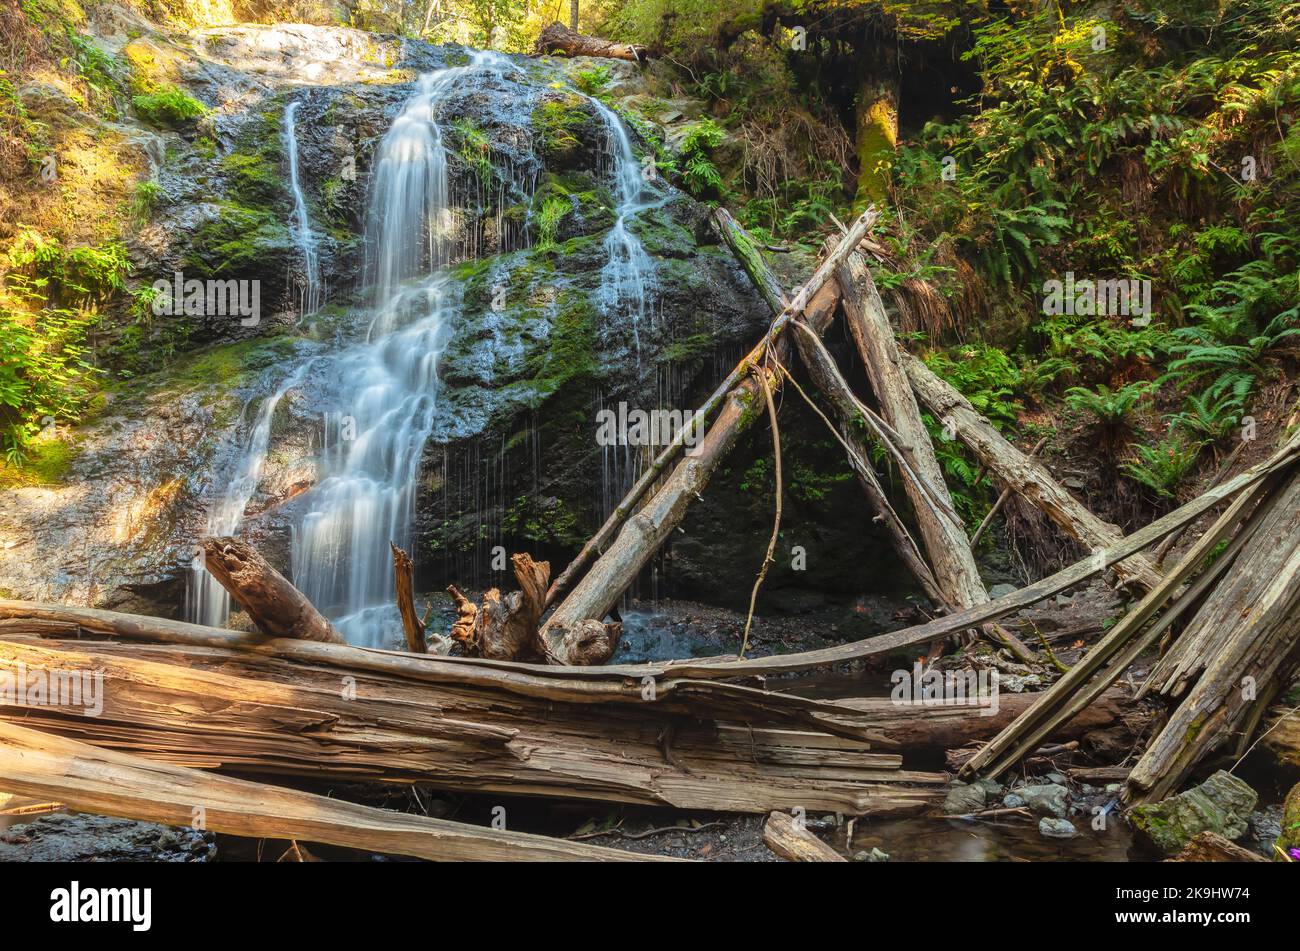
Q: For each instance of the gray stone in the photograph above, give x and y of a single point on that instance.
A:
(877, 855)
(992, 788)
(1001, 590)
(1056, 778)
(1013, 801)
(963, 799)
(1222, 804)
(1050, 799)
(1056, 828)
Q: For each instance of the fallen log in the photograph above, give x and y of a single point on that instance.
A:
(644, 533)
(1245, 637)
(558, 38)
(793, 842)
(1211, 847)
(226, 704)
(274, 605)
(1029, 478)
(92, 779)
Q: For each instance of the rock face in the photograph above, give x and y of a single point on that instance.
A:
(531, 352)
(1222, 804)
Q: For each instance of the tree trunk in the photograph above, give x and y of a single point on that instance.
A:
(573, 15)
(558, 38)
(403, 573)
(274, 605)
(876, 115)
(1029, 478)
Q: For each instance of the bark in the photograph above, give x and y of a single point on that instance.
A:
(1212, 847)
(274, 605)
(793, 842)
(91, 779)
(876, 115)
(315, 714)
(558, 38)
(1029, 478)
(643, 533)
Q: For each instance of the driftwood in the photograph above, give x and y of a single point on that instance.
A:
(1029, 478)
(92, 779)
(792, 841)
(558, 38)
(644, 533)
(274, 605)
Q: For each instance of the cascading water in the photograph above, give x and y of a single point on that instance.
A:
(374, 442)
(310, 294)
(206, 601)
(629, 272)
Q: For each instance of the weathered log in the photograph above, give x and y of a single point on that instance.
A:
(644, 533)
(792, 841)
(274, 605)
(942, 534)
(1245, 637)
(404, 575)
(92, 779)
(242, 708)
(1029, 478)
(558, 38)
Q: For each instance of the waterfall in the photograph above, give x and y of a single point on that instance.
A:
(206, 601)
(310, 297)
(375, 440)
(628, 272)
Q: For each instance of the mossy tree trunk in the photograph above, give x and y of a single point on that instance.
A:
(876, 114)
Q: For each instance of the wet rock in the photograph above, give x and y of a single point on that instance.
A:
(1222, 804)
(1013, 801)
(1049, 799)
(1056, 828)
(1289, 835)
(963, 799)
(992, 788)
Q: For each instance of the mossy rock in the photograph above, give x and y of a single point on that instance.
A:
(1290, 837)
(240, 242)
(1222, 804)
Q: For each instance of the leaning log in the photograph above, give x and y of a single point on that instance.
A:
(274, 605)
(558, 38)
(91, 779)
(644, 533)
(1029, 478)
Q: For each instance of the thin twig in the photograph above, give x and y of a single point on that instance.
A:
(776, 521)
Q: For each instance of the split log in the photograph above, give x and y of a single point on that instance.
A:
(1246, 635)
(102, 781)
(558, 38)
(645, 532)
(274, 605)
(792, 841)
(404, 575)
(1029, 478)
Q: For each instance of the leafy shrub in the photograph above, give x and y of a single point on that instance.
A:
(167, 106)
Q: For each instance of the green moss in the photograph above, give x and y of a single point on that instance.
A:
(555, 124)
(236, 242)
(168, 107)
(46, 462)
(254, 180)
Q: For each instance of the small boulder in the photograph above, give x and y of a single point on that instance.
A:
(963, 799)
(1056, 828)
(1222, 804)
(1013, 801)
(1049, 799)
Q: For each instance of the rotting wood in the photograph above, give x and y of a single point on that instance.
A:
(791, 840)
(644, 533)
(92, 779)
(1029, 478)
(274, 605)
(404, 583)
